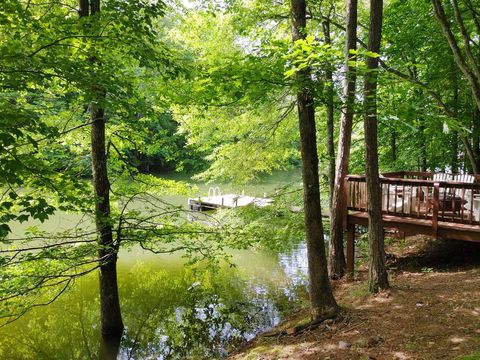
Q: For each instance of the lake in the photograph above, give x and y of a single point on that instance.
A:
(170, 311)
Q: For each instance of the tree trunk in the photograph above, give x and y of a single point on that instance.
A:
(377, 275)
(476, 140)
(393, 146)
(423, 146)
(330, 113)
(471, 155)
(109, 347)
(456, 108)
(336, 255)
(454, 153)
(322, 302)
(111, 318)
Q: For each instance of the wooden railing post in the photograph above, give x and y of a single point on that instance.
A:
(436, 202)
(345, 202)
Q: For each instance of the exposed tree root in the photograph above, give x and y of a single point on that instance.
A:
(302, 328)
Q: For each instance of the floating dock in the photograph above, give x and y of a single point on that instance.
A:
(215, 200)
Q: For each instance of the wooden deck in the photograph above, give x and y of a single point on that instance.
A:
(411, 226)
(416, 203)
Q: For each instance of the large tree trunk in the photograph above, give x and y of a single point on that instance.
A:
(377, 275)
(456, 108)
(330, 113)
(322, 302)
(109, 347)
(336, 255)
(476, 140)
(111, 318)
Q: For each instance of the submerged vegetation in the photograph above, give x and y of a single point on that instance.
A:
(173, 314)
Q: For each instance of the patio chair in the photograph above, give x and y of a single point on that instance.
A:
(442, 177)
(465, 194)
(437, 177)
(466, 178)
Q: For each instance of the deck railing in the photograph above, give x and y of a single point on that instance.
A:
(417, 195)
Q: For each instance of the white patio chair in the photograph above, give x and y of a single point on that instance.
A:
(437, 177)
(467, 193)
(442, 177)
(466, 178)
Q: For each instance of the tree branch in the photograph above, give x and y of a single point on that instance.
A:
(457, 53)
(56, 42)
(466, 39)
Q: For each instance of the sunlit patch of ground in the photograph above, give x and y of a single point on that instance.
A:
(432, 312)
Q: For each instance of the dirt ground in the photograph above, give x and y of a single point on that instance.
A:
(432, 311)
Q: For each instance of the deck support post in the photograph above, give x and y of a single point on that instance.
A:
(436, 205)
(346, 187)
(350, 250)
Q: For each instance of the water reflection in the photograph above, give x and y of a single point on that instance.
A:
(294, 263)
(109, 347)
(170, 312)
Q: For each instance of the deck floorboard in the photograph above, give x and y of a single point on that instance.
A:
(412, 226)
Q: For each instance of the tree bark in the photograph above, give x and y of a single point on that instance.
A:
(109, 347)
(83, 8)
(330, 113)
(111, 318)
(377, 275)
(454, 153)
(336, 254)
(322, 301)
(393, 146)
(471, 155)
(423, 146)
(456, 108)
(476, 140)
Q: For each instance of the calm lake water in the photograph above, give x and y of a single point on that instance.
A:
(170, 311)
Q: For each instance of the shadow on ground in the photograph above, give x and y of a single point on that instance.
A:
(420, 252)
